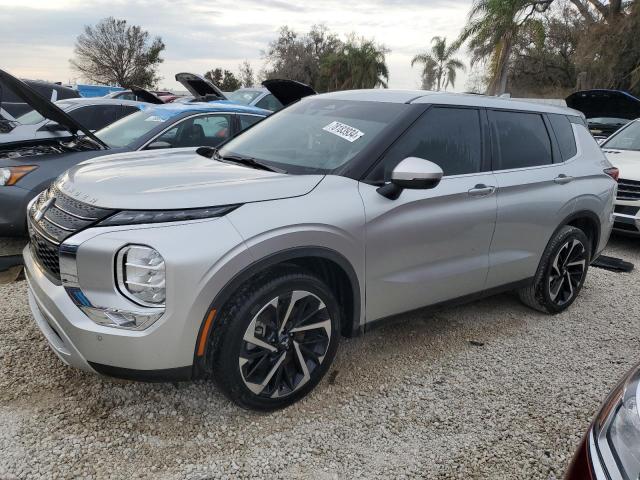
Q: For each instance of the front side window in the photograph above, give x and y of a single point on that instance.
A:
(521, 140)
(626, 139)
(247, 120)
(315, 135)
(206, 130)
(448, 137)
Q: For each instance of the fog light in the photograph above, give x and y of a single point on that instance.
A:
(141, 275)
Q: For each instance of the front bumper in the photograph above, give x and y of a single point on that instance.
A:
(626, 217)
(163, 351)
(13, 210)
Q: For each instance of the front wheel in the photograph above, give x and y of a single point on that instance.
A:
(275, 340)
(561, 272)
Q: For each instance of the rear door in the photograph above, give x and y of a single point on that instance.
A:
(431, 245)
(535, 193)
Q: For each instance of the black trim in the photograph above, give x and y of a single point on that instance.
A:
(472, 297)
(269, 261)
(178, 374)
(556, 156)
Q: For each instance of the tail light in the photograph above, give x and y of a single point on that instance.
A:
(613, 172)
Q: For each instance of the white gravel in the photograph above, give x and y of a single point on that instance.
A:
(412, 399)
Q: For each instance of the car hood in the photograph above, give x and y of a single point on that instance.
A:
(200, 87)
(147, 96)
(627, 161)
(605, 103)
(176, 179)
(288, 91)
(44, 107)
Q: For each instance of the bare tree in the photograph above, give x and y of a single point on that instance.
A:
(111, 52)
(246, 75)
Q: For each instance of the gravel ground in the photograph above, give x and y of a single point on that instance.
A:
(490, 390)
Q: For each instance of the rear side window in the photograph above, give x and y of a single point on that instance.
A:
(449, 137)
(521, 140)
(564, 134)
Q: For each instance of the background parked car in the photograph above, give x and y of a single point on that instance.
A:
(15, 106)
(92, 113)
(257, 97)
(611, 448)
(606, 110)
(28, 167)
(623, 151)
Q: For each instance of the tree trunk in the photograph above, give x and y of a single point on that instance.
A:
(502, 69)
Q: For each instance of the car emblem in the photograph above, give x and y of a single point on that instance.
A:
(42, 209)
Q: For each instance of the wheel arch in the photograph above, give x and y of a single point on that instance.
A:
(328, 264)
(589, 223)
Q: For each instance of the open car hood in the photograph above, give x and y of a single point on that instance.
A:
(605, 103)
(146, 95)
(45, 107)
(288, 91)
(200, 87)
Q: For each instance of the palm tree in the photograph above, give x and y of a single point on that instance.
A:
(439, 66)
(492, 30)
(358, 64)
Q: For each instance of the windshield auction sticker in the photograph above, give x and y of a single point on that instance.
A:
(350, 134)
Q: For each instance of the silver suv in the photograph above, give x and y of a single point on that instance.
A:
(248, 263)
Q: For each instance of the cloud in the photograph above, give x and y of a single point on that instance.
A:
(38, 37)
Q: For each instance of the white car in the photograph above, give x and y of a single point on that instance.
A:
(623, 151)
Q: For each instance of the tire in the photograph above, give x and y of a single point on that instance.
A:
(252, 344)
(561, 273)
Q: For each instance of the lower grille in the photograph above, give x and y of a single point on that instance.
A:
(628, 189)
(53, 218)
(626, 209)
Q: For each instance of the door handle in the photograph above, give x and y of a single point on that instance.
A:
(563, 179)
(481, 190)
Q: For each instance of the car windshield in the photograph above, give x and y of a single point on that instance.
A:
(130, 128)
(244, 97)
(608, 120)
(314, 135)
(626, 139)
(32, 117)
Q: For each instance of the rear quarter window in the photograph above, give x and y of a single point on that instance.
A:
(520, 140)
(564, 134)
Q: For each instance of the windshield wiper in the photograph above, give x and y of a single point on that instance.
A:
(250, 162)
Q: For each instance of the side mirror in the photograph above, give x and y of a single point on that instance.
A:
(158, 145)
(412, 173)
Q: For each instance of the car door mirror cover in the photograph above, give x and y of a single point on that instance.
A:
(416, 173)
(158, 145)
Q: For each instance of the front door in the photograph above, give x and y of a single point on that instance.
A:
(430, 245)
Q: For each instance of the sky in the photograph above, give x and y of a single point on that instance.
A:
(38, 35)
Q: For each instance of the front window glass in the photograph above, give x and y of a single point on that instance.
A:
(315, 135)
(129, 129)
(206, 130)
(626, 139)
(245, 97)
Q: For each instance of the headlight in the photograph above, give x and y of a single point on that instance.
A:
(10, 175)
(136, 217)
(141, 275)
(618, 429)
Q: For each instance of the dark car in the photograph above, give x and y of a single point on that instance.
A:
(28, 167)
(606, 110)
(611, 448)
(16, 106)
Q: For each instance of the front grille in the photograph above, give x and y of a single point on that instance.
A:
(53, 218)
(626, 209)
(628, 189)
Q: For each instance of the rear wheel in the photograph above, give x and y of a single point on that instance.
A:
(275, 340)
(561, 272)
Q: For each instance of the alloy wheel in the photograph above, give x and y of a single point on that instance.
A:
(285, 342)
(567, 272)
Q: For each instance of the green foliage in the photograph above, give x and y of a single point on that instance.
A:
(320, 59)
(439, 66)
(113, 53)
(225, 80)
